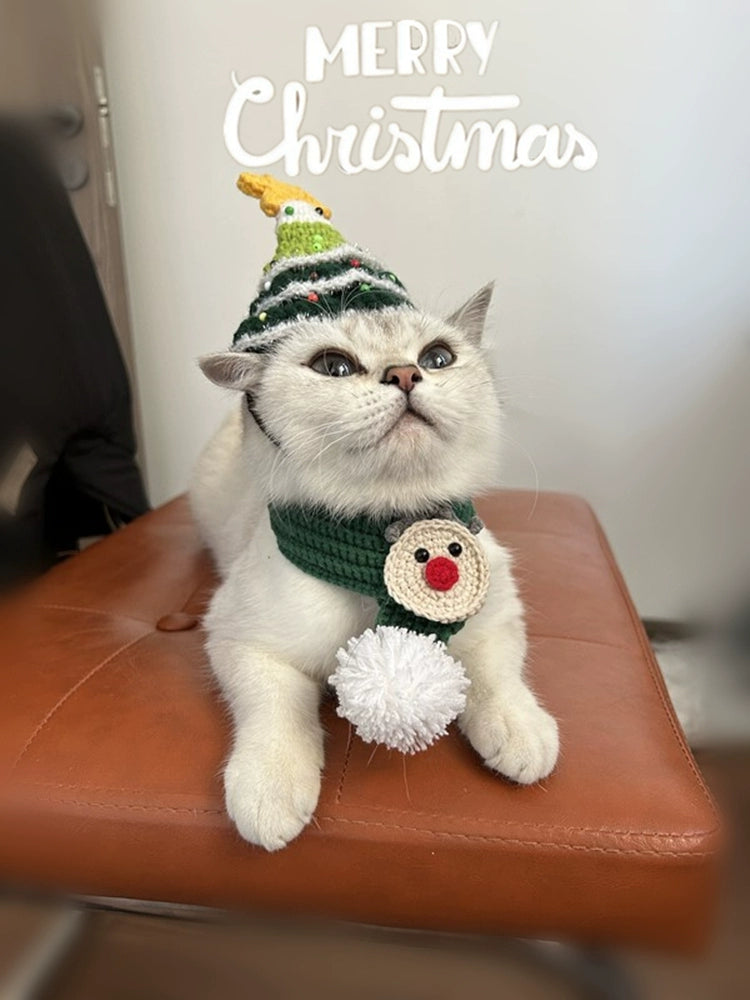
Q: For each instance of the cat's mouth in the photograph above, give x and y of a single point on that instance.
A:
(409, 415)
(415, 414)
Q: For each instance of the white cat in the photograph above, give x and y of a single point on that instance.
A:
(327, 428)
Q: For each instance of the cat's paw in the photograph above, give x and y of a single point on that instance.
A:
(271, 793)
(520, 741)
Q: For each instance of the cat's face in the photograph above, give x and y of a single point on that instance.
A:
(343, 431)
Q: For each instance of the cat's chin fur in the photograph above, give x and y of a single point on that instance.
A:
(413, 469)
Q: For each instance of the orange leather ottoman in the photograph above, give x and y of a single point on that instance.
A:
(112, 740)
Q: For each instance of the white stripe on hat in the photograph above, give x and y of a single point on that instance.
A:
(323, 286)
(310, 260)
(258, 341)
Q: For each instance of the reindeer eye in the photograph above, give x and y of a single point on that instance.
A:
(421, 555)
(436, 356)
(455, 548)
(334, 363)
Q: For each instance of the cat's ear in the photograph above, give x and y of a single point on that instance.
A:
(233, 369)
(472, 315)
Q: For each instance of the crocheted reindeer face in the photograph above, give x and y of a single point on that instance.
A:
(438, 570)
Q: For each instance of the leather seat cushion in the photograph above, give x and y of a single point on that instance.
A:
(112, 738)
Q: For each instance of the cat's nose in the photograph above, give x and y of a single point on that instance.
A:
(404, 376)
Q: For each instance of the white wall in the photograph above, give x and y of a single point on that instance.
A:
(623, 307)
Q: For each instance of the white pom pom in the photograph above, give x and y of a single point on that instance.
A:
(398, 687)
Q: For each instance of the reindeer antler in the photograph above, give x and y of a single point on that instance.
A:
(272, 193)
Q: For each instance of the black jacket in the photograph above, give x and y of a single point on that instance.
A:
(64, 395)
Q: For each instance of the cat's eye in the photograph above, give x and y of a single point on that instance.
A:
(436, 356)
(334, 363)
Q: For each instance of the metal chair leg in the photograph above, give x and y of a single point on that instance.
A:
(599, 973)
(42, 958)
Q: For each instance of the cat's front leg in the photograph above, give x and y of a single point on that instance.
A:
(503, 720)
(272, 776)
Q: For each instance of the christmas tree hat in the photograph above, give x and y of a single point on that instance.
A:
(315, 273)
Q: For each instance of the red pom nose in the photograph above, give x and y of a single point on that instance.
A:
(441, 573)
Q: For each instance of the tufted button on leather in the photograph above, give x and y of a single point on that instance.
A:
(176, 621)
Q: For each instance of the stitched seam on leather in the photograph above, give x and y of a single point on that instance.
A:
(70, 692)
(91, 611)
(412, 812)
(409, 812)
(136, 807)
(90, 789)
(534, 826)
(653, 667)
(517, 840)
(589, 642)
(444, 834)
(344, 769)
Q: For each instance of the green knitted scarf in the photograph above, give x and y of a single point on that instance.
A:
(351, 553)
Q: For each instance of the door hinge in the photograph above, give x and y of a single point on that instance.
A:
(105, 136)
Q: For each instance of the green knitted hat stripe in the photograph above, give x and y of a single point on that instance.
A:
(326, 306)
(338, 254)
(296, 239)
(312, 271)
(313, 289)
(351, 553)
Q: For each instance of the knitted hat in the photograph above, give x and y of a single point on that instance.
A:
(315, 272)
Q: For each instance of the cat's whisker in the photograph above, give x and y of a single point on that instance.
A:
(406, 783)
(346, 297)
(472, 386)
(338, 440)
(533, 465)
(312, 432)
(292, 442)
